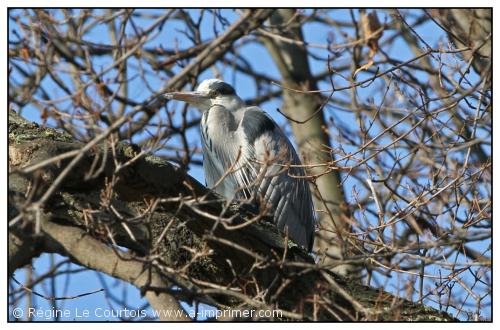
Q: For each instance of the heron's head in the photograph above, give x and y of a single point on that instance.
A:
(208, 93)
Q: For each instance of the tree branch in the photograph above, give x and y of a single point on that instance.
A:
(85, 250)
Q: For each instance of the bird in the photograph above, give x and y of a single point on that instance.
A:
(247, 157)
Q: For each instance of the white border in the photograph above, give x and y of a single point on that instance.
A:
(233, 3)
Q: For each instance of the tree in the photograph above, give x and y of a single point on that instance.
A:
(395, 140)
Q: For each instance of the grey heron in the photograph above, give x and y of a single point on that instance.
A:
(246, 156)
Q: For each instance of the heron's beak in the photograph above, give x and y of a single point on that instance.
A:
(194, 98)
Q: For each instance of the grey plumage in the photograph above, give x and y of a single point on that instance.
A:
(245, 147)
(255, 123)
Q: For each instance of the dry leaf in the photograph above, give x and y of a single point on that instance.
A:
(372, 32)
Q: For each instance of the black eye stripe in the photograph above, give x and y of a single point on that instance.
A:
(222, 88)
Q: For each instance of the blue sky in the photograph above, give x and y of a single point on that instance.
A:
(87, 281)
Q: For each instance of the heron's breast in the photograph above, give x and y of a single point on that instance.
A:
(217, 129)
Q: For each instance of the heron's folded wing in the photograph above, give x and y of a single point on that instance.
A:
(279, 179)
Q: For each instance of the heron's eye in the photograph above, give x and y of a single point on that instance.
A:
(213, 94)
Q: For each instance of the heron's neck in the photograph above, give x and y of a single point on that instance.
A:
(232, 103)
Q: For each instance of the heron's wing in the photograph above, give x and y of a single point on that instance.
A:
(270, 159)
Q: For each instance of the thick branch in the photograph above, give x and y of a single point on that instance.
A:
(93, 254)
